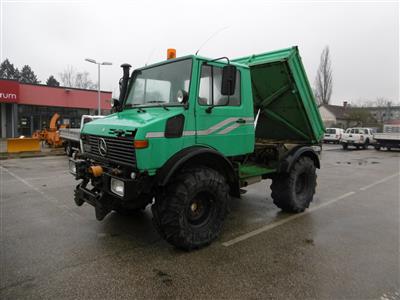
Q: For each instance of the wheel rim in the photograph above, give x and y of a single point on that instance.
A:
(200, 209)
(301, 183)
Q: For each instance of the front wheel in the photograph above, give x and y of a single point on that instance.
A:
(294, 191)
(68, 149)
(344, 145)
(190, 212)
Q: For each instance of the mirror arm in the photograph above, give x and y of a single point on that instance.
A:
(223, 57)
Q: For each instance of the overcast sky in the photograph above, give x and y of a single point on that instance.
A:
(363, 36)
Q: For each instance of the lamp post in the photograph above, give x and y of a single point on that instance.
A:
(98, 79)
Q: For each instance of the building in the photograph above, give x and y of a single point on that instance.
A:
(385, 114)
(29, 107)
(335, 115)
(347, 116)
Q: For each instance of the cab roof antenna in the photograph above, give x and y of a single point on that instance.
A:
(211, 36)
(150, 55)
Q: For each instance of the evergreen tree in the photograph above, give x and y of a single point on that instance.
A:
(8, 71)
(51, 81)
(28, 76)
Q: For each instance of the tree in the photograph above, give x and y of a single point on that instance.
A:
(323, 81)
(51, 81)
(382, 102)
(28, 76)
(70, 78)
(8, 71)
(362, 116)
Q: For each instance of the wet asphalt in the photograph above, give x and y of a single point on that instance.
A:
(345, 247)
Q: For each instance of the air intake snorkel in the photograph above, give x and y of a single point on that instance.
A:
(123, 83)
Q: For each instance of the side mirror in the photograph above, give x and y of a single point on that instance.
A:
(182, 96)
(228, 80)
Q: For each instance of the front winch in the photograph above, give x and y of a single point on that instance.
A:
(96, 170)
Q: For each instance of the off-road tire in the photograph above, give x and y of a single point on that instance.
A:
(294, 191)
(190, 211)
(344, 146)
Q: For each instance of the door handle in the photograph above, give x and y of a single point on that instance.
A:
(240, 121)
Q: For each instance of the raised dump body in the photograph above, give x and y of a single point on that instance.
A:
(283, 96)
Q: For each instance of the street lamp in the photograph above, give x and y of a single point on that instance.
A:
(98, 79)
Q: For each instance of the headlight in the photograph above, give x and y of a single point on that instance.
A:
(117, 187)
(72, 167)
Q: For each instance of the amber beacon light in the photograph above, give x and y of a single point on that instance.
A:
(171, 53)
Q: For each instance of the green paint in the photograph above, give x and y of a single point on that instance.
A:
(275, 82)
(251, 170)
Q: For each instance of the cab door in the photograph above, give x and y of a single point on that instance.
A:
(225, 123)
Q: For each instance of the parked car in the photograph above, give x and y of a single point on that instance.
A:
(358, 137)
(72, 136)
(333, 135)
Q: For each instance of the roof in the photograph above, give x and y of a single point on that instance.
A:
(338, 110)
(12, 91)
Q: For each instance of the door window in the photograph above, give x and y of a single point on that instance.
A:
(210, 88)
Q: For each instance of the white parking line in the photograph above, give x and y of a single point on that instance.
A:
(294, 217)
(284, 221)
(378, 182)
(45, 196)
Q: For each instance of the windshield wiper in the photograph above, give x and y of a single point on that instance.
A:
(132, 105)
(160, 104)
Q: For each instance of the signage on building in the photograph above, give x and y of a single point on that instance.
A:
(9, 91)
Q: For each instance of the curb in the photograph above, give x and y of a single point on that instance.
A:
(5, 155)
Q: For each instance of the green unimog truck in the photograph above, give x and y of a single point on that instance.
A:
(189, 133)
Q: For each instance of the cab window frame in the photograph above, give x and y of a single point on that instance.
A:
(238, 87)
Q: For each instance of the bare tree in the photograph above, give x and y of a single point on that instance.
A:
(70, 78)
(382, 102)
(323, 82)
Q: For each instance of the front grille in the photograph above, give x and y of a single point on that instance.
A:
(119, 150)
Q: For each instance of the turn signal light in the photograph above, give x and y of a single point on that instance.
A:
(141, 144)
(171, 53)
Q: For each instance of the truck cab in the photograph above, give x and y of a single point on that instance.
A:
(188, 133)
(176, 104)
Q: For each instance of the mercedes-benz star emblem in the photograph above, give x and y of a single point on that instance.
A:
(102, 147)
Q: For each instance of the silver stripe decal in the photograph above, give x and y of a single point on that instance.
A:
(154, 134)
(216, 126)
(249, 120)
(229, 128)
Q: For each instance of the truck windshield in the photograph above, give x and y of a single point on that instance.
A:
(160, 84)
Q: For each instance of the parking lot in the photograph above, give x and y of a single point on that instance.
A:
(345, 246)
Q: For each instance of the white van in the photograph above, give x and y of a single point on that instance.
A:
(333, 135)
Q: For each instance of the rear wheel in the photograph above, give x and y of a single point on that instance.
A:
(294, 191)
(192, 209)
(344, 145)
(366, 144)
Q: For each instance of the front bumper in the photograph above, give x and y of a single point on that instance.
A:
(97, 190)
(350, 142)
